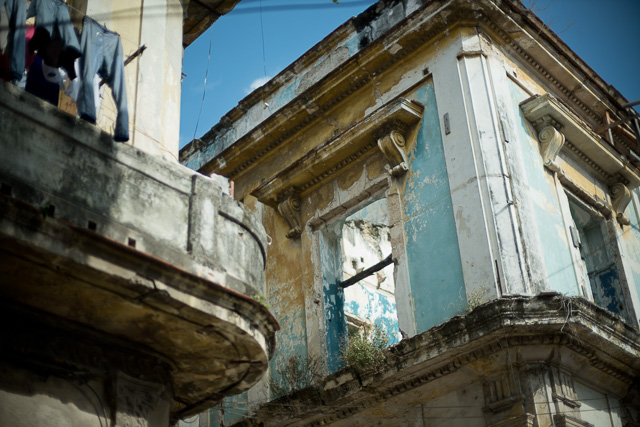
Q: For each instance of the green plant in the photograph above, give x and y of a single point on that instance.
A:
(262, 300)
(47, 209)
(476, 298)
(366, 349)
(296, 374)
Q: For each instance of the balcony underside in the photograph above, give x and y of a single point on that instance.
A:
(142, 251)
(210, 337)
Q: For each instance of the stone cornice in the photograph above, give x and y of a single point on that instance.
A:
(411, 33)
(611, 166)
(325, 160)
(549, 321)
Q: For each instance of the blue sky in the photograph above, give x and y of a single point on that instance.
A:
(604, 34)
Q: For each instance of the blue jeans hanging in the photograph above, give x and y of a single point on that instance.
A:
(54, 23)
(17, 12)
(102, 54)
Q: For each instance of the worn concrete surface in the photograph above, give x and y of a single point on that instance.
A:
(510, 359)
(134, 246)
(481, 211)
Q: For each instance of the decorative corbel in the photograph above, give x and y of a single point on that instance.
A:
(551, 141)
(621, 196)
(289, 208)
(392, 145)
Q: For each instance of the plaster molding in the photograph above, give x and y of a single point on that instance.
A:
(392, 144)
(591, 200)
(582, 141)
(289, 208)
(551, 142)
(563, 420)
(538, 67)
(322, 162)
(501, 394)
(588, 162)
(621, 196)
(515, 35)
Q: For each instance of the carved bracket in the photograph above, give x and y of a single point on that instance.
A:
(392, 145)
(551, 142)
(621, 196)
(289, 208)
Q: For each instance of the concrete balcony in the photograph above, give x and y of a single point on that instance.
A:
(131, 252)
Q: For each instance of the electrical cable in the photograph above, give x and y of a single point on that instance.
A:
(264, 55)
(204, 89)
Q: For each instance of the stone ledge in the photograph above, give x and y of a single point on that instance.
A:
(600, 343)
(218, 341)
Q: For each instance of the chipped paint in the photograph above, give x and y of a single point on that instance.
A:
(546, 207)
(435, 267)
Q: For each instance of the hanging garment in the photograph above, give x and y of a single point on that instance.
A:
(102, 54)
(55, 39)
(42, 82)
(72, 87)
(16, 11)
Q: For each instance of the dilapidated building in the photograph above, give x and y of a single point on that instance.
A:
(454, 157)
(126, 279)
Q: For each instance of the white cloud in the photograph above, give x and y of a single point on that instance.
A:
(257, 83)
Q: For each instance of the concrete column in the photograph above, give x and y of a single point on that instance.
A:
(490, 249)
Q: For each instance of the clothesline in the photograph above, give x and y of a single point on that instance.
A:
(100, 24)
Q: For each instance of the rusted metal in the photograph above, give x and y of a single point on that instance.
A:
(610, 125)
(607, 121)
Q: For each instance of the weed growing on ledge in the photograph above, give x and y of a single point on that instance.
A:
(476, 298)
(262, 300)
(296, 374)
(365, 350)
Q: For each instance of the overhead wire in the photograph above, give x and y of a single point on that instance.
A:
(204, 89)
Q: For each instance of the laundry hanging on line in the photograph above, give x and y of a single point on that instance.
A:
(99, 53)
(55, 39)
(102, 54)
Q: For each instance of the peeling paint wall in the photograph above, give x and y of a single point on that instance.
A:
(630, 245)
(335, 322)
(546, 206)
(477, 216)
(437, 285)
(364, 243)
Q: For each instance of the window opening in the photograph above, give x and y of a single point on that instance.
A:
(598, 256)
(358, 275)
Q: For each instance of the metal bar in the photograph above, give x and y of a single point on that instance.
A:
(135, 54)
(614, 124)
(607, 118)
(130, 58)
(366, 273)
(631, 104)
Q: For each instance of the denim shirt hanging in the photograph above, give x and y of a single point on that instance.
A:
(102, 54)
(55, 39)
(16, 11)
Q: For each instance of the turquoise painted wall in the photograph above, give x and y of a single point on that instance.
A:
(544, 198)
(433, 254)
(377, 306)
(631, 240)
(335, 323)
